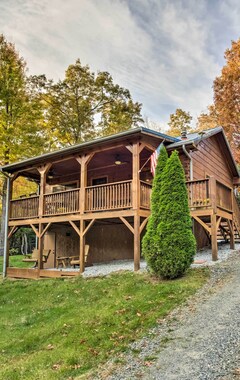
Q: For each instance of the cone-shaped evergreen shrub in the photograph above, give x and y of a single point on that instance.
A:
(174, 241)
(148, 247)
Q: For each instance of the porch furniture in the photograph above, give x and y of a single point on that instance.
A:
(75, 259)
(64, 261)
(35, 256)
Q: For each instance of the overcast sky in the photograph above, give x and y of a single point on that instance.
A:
(166, 52)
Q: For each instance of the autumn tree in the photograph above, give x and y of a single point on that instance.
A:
(21, 116)
(85, 105)
(179, 121)
(207, 120)
(227, 96)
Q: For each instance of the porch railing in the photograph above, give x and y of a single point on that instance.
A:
(204, 193)
(223, 196)
(24, 208)
(198, 193)
(145, 194)
(64, 202)
(117, 195)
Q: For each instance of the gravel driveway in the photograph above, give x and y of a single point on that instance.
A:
(198, 341)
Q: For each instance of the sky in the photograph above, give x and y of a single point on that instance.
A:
(166, 52)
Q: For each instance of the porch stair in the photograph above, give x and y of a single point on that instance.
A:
(223, 232)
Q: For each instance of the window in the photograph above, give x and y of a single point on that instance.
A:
(99, 181)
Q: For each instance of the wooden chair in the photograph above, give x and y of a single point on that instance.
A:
(75, 259)
(35, 256)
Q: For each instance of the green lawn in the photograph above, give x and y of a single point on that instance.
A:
(62, 328)
(15, 261)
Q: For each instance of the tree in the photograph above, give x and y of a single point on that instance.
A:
(207, 120)
(85, 105)
(148, 246)
(179, 121)
(21, 115)
(227, 96)
(174, 241)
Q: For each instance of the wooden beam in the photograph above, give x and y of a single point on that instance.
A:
(213, 192)
(146, 145)
(82, 246)
(207, 212)
(75, 227)
(40, 248)
(143, 224)
(136, 242)
(204, 225)
(12, 231)
(129, 147)
(88, 227)
(45, 229)
(232, 238)
(127, 224)
(135, 177)
(35, 230)
(214, 238)
(224, 214)
(218, 222)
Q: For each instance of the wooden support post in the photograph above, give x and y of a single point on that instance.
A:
(43, 175)
(82, 246)
(8, 232)
(135, 179)
(214, 237)
(136, 242)
(83, 161)
(231, 229)
(136, 203)
(40, 248)
(213, 193)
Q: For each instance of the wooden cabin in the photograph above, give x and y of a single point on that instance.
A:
(98, 194)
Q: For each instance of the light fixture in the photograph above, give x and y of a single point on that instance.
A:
(50, 174)
(117, 160)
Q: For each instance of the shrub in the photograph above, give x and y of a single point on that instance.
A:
(148, 247)
(174, 241)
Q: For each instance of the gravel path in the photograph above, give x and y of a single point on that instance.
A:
(198, 341)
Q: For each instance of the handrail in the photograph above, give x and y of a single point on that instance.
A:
(61, 192)
(109, 196)
(108, 184)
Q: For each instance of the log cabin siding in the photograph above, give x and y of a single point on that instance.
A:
(208, 160)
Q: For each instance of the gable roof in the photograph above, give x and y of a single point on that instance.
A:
(193, 139)
(78, 148)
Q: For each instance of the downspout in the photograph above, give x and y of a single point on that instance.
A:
(6, 226)
(190, 158)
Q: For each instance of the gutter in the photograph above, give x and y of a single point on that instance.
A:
(191, 163)
(5, 251)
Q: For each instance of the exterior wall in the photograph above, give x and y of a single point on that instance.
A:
(67, 241)
(186, 165)
(113, 174)
(109, 242)
(209, 160)
(200, 235)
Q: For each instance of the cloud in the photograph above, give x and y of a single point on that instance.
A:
(166, 52)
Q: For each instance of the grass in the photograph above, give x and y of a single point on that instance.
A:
(16, 261)
(63, 328)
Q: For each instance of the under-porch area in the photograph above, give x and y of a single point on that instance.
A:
(106, 239)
